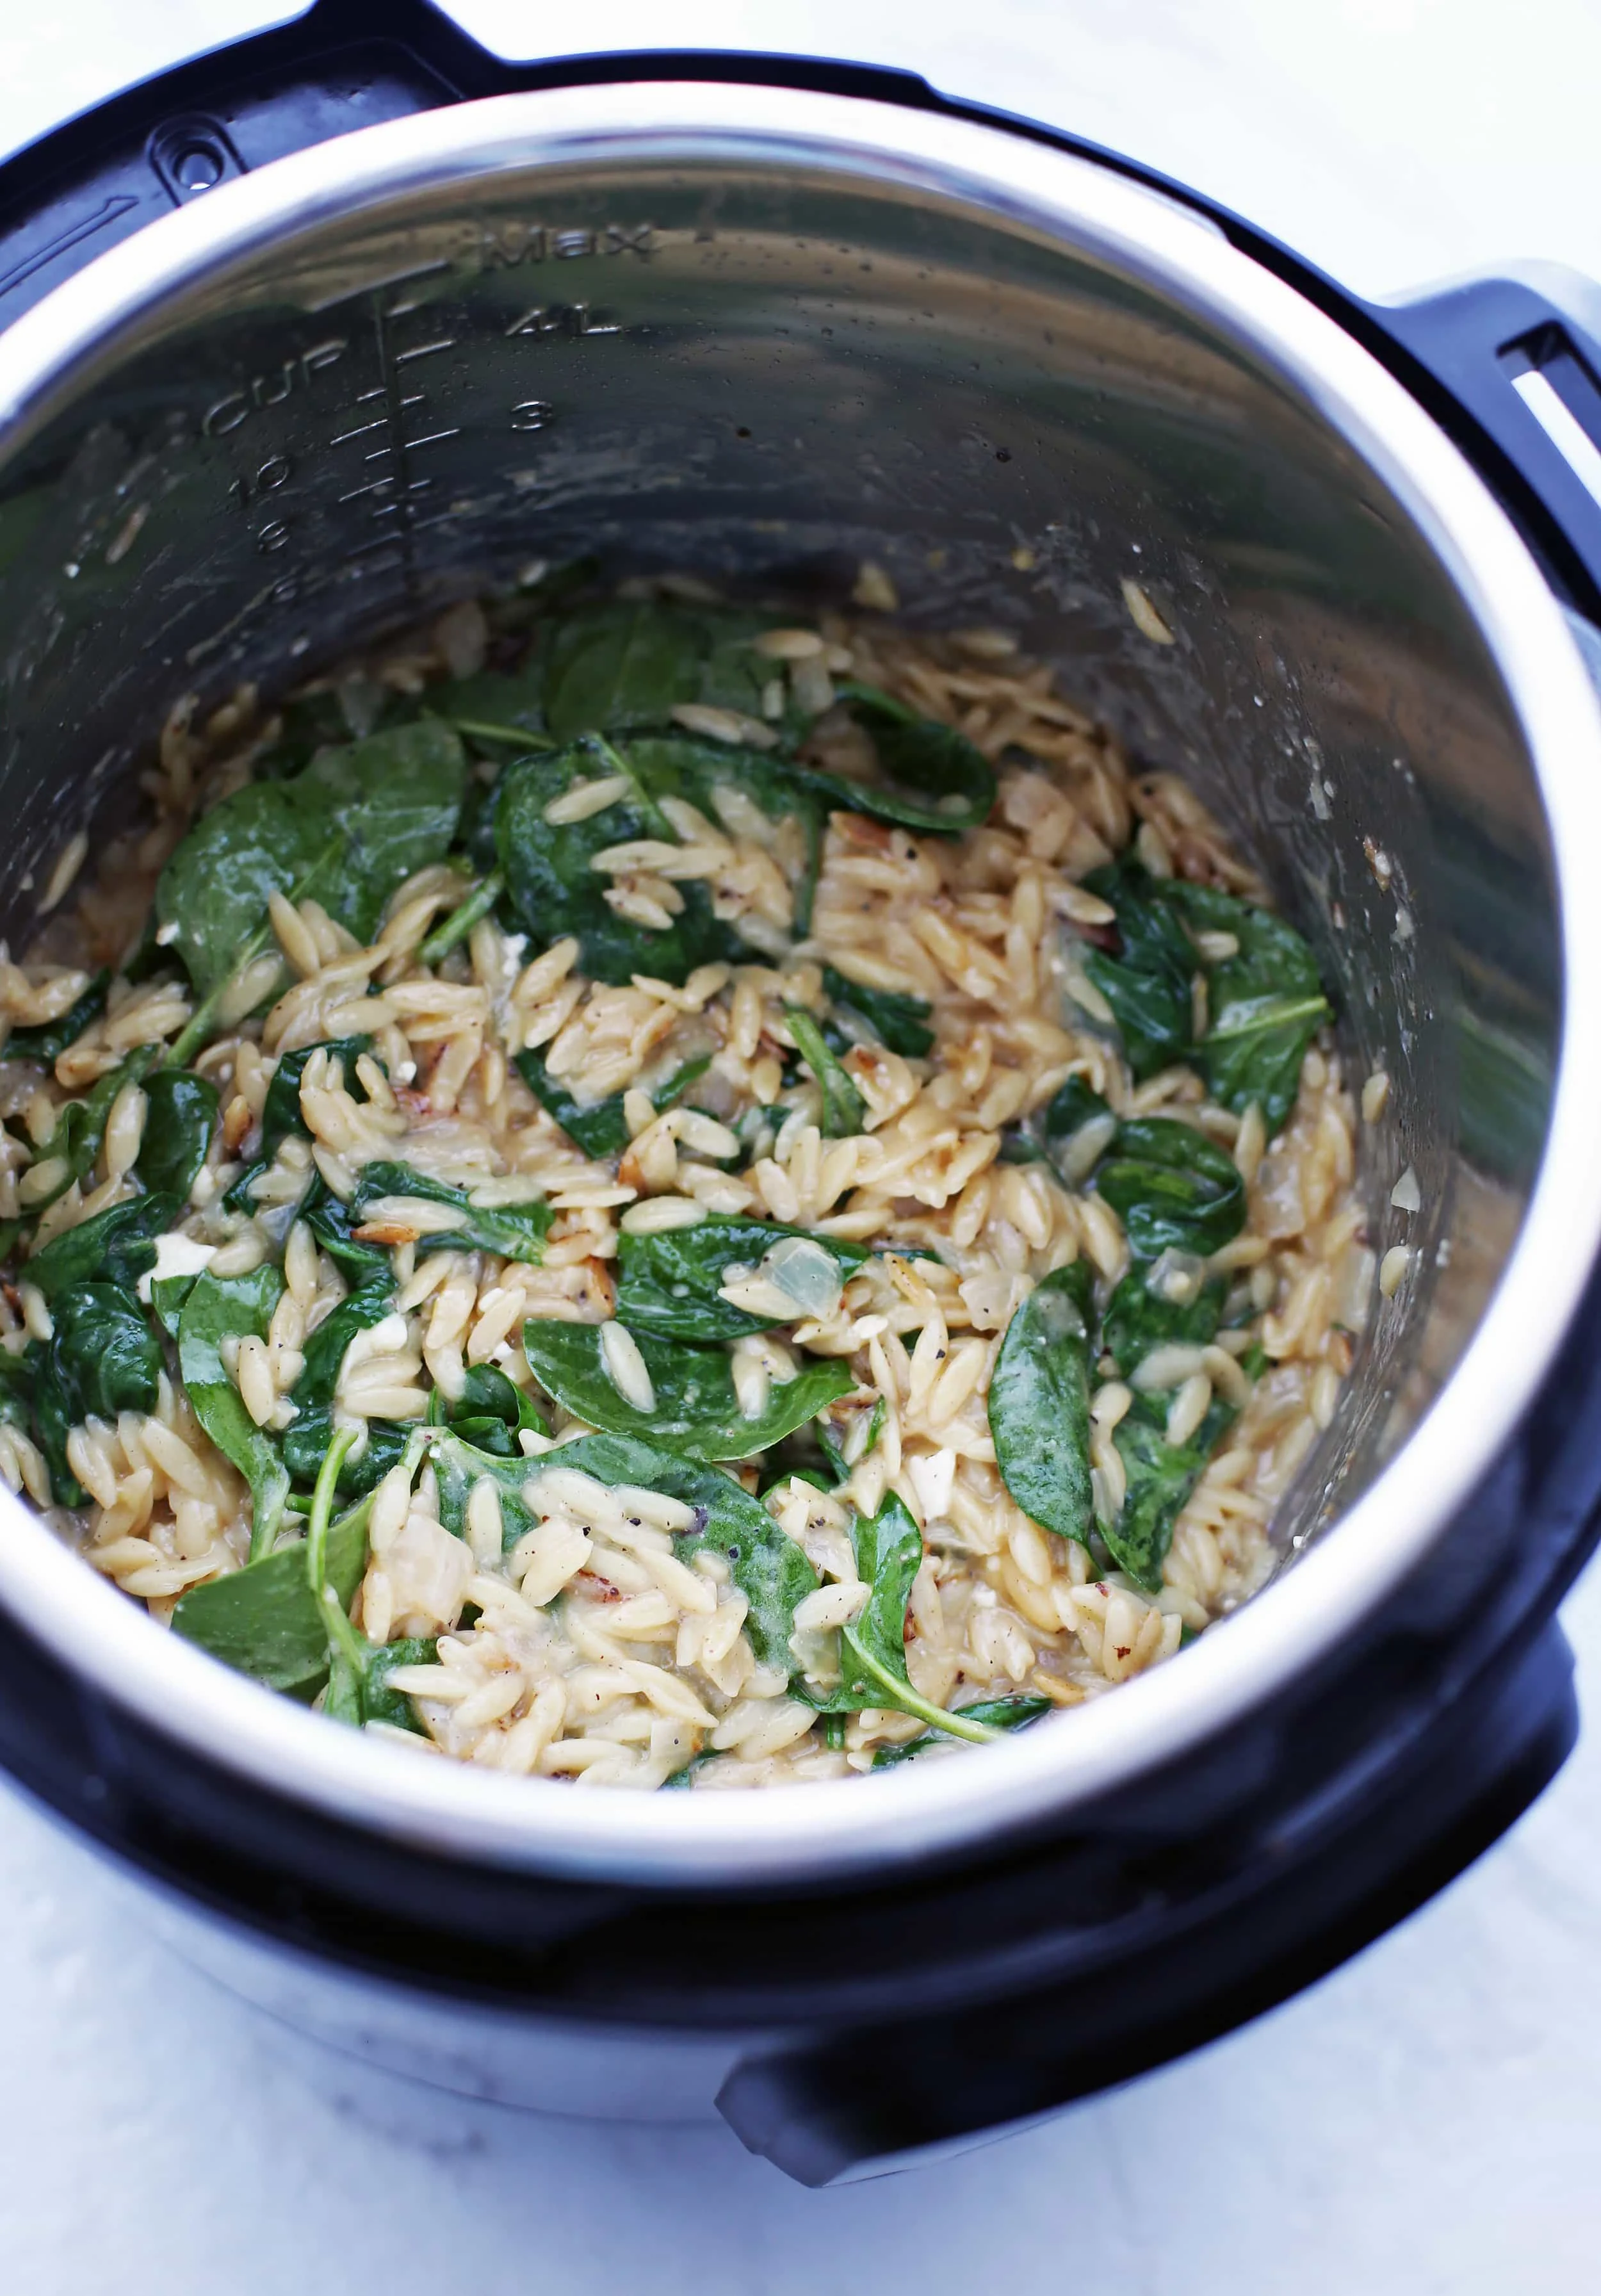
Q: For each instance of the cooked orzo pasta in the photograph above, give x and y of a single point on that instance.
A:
(648, 1192)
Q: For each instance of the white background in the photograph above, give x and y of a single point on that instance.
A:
(1427, 2121)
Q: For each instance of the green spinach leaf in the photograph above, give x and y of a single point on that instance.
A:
(1147, 984)
(168, 1294)
(80, 1131)
(1039, 1403)
(180, 1117)
(696, 1411)
(490, 1413)
(268, 837)
(873, 1668)
(331, 716)
(48, 1040)
(514, 1231)
(16, 1385)
(844, 1110)
(1139, 1319)
(116, 1246)
(306, 1437)
(265, 1620)
(1172, 1188)
(898, 1021)
(1266, 1004)
(359, 1680)
(1071, 1133)
(553, 888)
(599, 1126)
(621, 665)
(999, 1713)
(767, 1566)
(395, 799)
(234, 1307)
(282, 1117)
(349, 828)
(616, 668)
(1160, 1476)
(668, 1283)
(937, 778)
(332, 1223)
(677, 765)
(101, 1359)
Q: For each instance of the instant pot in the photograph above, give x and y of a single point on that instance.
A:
(314, 336)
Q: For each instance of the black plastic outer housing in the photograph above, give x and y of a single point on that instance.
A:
(979, 1992)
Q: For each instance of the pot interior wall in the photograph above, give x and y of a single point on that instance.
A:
(765, 376)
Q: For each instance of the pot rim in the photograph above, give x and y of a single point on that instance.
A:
(835, 1831)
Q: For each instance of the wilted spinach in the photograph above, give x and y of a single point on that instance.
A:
(330, 1221)
(1160, 1476)
(490, 1413)
(514, 1231)
(898, 1021)
(1039, 1403)
(1266, 1000)
(1147, 984)
(554, 889)
(678, 764)
(616, 668)
(222, 1308)
(80, 1130)
(938, 779)
(282, 1117)
(331, 716)
(265, 1620)
(668, 1283)
(358, 1677)
(102, 1358)
(873, 1668)
(1139, 1319)
(48, 1040)
(180, 1117)
(1172, 1188)
(599, 1126)
(844, 1110)
(306, 1437)
(1266, 1004)
(767, 1566)
(116, 1246)
(1071, 1133)
(998, 1713)
(695, 1412)
(168, 1294)
(349, 828)
(769, 1570)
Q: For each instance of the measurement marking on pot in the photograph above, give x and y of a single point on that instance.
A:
(422, 351)
(562, 319)
(263, 390)
(387, 279)
(502, 244)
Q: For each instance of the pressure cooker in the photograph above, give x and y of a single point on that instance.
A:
(311, 338)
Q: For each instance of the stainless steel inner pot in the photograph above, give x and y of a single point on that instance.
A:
(760, 335)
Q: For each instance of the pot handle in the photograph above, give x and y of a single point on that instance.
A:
(875, 2099)
(1512, 367)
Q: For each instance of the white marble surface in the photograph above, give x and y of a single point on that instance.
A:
(1426, 2120)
